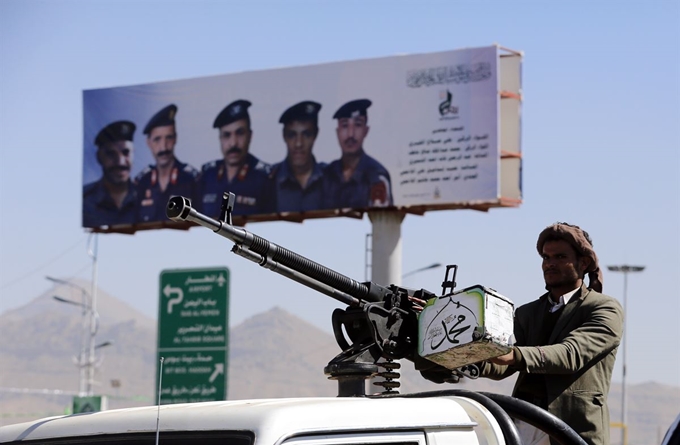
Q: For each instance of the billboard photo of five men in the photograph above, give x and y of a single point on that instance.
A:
(293, 143)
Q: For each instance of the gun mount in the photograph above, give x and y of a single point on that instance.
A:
(380, 322)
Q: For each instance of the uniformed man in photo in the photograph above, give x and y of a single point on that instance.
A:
(110, 201)
(168, 177)
(297, 181)
(238, 171)
(356, 180)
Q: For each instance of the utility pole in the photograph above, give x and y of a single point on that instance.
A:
(625, 269)
(84, 331)
(94, 315)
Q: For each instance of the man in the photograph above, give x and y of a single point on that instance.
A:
(169, 177)
(566, 341)
(297, 184)
(110, 201)
(238, 172)
(356, 180)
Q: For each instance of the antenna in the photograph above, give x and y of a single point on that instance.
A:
(158, 415)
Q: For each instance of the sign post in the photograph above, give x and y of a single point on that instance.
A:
(193, 334)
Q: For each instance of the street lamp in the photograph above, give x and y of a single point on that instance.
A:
(86, 361)
(82, 357)
(625, 269)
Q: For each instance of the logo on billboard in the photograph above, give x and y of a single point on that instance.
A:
(446, 108)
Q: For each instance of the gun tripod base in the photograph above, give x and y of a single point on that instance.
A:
(351, 377)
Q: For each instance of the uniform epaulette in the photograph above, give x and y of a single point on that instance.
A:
(274, 169)
(192, 171)
(208, 165)
(263, 166)
(141, 174)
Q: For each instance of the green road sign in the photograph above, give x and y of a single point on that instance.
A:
(193, 334)
(88, 404)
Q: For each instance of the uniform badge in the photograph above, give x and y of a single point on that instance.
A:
(243, 172)
(147, 201)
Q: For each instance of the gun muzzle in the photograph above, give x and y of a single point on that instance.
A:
(178, 208)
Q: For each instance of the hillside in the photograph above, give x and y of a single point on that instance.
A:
(273, 354)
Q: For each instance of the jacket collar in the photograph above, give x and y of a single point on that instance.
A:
(569, 311)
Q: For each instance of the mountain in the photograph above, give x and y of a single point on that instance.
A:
(273, 354)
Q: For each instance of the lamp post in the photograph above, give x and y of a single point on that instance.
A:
(86, 360)
(625, 269)
(84, 331)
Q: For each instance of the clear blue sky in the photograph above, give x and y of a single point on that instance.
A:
(601, 120)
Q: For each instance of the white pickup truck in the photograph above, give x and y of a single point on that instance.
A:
(418, 419)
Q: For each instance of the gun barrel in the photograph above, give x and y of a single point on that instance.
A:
(179, 209)
(297, 276)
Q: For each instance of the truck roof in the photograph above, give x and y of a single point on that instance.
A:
(269, 419)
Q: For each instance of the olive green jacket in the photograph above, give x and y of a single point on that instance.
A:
(577, 362)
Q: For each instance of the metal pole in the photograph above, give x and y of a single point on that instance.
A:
(93, 316)
(84, 330)
(624, 404)
(386, 247)
(624, 397)
(82, 358)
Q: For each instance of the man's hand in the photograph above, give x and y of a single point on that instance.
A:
(507, 359)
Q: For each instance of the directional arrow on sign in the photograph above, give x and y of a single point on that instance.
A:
(219, 369)
(169, 290)
(221, 280)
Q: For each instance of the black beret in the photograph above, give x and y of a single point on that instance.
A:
(353, 108)
(164, 117)
(303, 111)
(233, 112)
(114, 132)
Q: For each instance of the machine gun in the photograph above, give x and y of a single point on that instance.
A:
(380, 322)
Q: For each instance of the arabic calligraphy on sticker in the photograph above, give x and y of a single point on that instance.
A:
(452, 325)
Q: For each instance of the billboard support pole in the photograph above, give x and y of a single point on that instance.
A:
(386, 246)
(386, 264)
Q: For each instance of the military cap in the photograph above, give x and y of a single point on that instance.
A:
(303, 111)
(164, 117)
(114, 132)
(233, 112)
(352, 109)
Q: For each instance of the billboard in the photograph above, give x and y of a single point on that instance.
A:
(405, 133)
